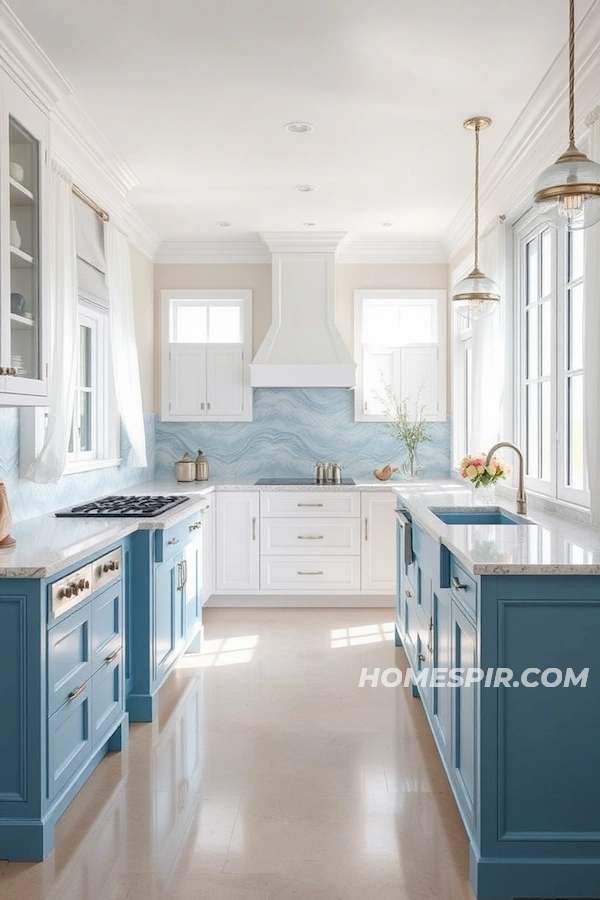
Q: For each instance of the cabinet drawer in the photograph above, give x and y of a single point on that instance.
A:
(310, 536)
(310, 573)
(69, 740)
(107, 625)
(464, 588)
(107, 699)
(69, 656)
(310, 503)
(169, 541)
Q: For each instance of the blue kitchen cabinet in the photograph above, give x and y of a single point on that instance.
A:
(166, 609)
(62, 703)
(522, 762)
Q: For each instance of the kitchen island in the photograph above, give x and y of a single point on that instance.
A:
(521, 602)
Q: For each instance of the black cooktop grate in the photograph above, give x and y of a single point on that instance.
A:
(141, 507)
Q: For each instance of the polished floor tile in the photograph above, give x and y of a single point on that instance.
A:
(269, 775)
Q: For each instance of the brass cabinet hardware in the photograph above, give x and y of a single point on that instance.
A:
(76, 693)
(112, 656)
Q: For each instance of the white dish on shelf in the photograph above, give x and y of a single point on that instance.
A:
(17, 172)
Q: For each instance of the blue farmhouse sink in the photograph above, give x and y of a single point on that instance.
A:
(485, 515)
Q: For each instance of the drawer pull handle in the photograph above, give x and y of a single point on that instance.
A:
(310, 537)
(310, 573)
(112, 656)
(408, 593)
(173, 541)
(366, 528)
(309, 504)
(195, 526)
(422, 657)
(253, 528)
(76, 693)
(456, 583)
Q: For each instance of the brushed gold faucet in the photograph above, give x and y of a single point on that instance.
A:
(521, 498)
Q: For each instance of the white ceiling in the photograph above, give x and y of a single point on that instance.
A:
(195, 94)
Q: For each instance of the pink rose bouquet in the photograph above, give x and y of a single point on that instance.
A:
(475, 469)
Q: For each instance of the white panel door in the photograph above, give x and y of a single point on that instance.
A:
(419, 373)
(187, 380)
(237, 540)
(224, 379)
(378, 541)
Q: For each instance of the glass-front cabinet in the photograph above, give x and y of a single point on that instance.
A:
(24, 250)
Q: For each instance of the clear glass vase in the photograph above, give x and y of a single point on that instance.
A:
(411, 468)
(484, 494)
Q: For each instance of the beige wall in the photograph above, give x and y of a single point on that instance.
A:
(349, 278)
(142, 275)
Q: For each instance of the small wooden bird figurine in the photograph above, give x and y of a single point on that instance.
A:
(385, 473)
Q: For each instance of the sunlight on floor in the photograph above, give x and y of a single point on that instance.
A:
(362, 634)
(228, 652)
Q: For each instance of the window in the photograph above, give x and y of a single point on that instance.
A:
(94, 436)
(206, 354)
(400, 344)
(549, 313)
(463, 388)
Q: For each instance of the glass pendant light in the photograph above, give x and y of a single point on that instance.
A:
(567, 193)
(476, 295)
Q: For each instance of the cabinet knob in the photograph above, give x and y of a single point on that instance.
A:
(173, 541)
(408, 593)
(112, 565)
(422, 657)
(105, 567)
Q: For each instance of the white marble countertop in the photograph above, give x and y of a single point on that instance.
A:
(47, 544)
(552, 545)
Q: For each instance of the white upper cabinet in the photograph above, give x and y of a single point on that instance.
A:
(206, 351)
(24, 250)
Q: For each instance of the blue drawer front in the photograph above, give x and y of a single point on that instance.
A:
(107, 624)
(169, 541)
(107, 699)
(69, 656)
(69, 740)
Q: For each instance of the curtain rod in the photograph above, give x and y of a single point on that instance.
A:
(88, 200)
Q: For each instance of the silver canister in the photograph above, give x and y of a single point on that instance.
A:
(320, 473)
(185, 468)
(201, 467)
(334, 473)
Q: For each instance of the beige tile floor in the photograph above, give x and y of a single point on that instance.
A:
(269, 776)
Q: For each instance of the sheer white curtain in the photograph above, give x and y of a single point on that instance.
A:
(591, 365)
(50, 463)
(488, 348)
(122, 338)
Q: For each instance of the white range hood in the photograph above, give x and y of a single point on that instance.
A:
(303, 347)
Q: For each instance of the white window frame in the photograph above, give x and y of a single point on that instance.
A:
(527, 228)
(106, 422)
(395, 296)
(223, 297)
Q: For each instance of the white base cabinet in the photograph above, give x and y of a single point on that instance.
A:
(238, 541)
(208, 549)
(378, 541)
(306, 542)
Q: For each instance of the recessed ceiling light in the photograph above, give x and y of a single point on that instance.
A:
(299, 127)
(224, 224)
(304, 188)
(386, 224)
(309, 224)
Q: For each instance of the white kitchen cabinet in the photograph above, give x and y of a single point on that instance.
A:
(205, 381)
(378, 541)
(237, 541)
(208, 549)
(24, 249)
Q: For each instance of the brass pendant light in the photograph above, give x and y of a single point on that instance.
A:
(567, 193)
(476, 295)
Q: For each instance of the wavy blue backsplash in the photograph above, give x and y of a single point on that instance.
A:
(293, 429)
(28, 499)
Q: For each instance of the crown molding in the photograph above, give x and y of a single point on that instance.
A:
(139, 233)
(228, 252)
(363, 251)
(303, 242)
(27, 64)
(538, 136)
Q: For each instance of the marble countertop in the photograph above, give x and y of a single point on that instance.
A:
(552, 545)
(47, 544)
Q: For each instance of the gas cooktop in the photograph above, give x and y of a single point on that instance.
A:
(301, 481)
(141, 507)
